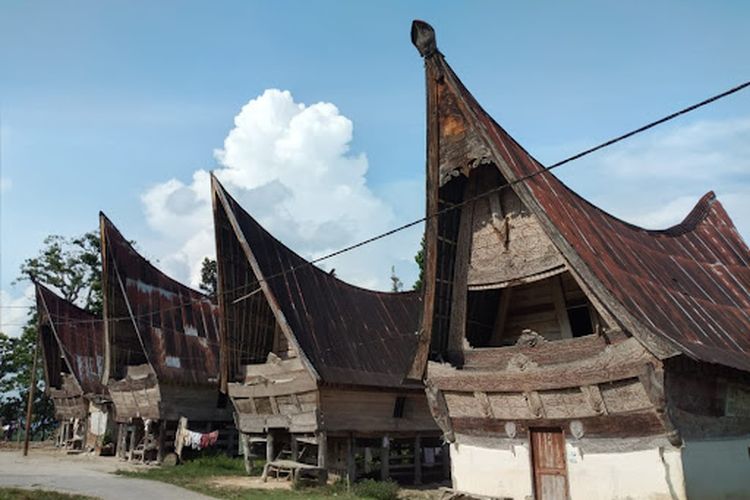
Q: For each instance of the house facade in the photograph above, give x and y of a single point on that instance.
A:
(161, 353)
(72, 342)
(567, 353)
(314, 366)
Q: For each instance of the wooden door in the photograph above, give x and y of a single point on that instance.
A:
(548, 462)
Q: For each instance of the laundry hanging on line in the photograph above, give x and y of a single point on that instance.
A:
(199, 440)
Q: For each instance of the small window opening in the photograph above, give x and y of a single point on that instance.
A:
(579, 317)
(398, 408)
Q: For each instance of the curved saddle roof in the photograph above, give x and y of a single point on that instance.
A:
(685, 289)
(79, 336)
(349, 335)
(176, 325)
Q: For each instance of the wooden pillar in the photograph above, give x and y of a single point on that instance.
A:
(322, 456)
(294, 444)
(446, 461)
(385, 457)
(231, 450)
(246, 452)
(162, 438)
(351, 465)
(133, 441)
(269, 447)
(417, 459)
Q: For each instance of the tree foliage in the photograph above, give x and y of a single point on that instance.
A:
(208, 276)
(419, 259)
(72, 268)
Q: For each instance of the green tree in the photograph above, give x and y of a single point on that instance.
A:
(208, 276)
(71, 267)
(419, 259)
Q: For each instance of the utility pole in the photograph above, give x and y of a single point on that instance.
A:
(30, 406)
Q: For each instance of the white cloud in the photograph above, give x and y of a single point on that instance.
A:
(291, 167)
(655, 180)
(14, 311)
(5, 184)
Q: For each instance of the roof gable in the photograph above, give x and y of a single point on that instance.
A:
(79, 336)
(350, 335)
(174, 326)
(685, 289)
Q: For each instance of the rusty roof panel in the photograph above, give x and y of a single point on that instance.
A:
(351, 335)
(79, 335)
(688, 284)
(178, 326)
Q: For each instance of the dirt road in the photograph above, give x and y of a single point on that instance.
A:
(53, 470)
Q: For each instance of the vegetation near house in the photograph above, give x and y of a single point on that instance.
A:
(208, 277)
(72, 267)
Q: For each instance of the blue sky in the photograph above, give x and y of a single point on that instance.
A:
(104, 103)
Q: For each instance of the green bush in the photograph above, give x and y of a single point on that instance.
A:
(379, 490)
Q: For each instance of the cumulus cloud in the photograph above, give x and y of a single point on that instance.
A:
(290, 165)
(14, 311)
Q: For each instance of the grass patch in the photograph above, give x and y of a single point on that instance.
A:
(196, 475)
(23, 494)
(201, 467)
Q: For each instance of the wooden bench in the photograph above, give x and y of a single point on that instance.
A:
(290, 469)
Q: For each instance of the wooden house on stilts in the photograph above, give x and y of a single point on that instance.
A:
(566, 353)
(72, 342)
(161, 353)
(314, 366)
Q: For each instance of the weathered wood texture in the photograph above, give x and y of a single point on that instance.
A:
(509, 245)
(639, 424)
(616, 362)
(549, 464)
(373, 412)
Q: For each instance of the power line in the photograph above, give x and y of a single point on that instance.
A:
(507, 185)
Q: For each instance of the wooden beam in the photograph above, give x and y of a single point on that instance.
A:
(484, 404)
(246, 453)
(457, 325)
(502, 316)
(322, 455)
(594, 397)
(385, 459)
(294, 445)
(535, 404)
(351, 465)
(160, 451)
(640, 424)
(446, 455)
(418, 459)
(270, 452)
(621, 361)
(419, 365)
(561, 311)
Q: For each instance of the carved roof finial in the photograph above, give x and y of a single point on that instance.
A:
(423, 38)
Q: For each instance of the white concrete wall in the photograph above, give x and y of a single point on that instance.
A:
(499, 472)
(718, 469)
(649, 474)
(654, 473)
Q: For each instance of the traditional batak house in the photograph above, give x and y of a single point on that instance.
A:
(315, 366)
(574, 355)
(161, 353)
(72, 341)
